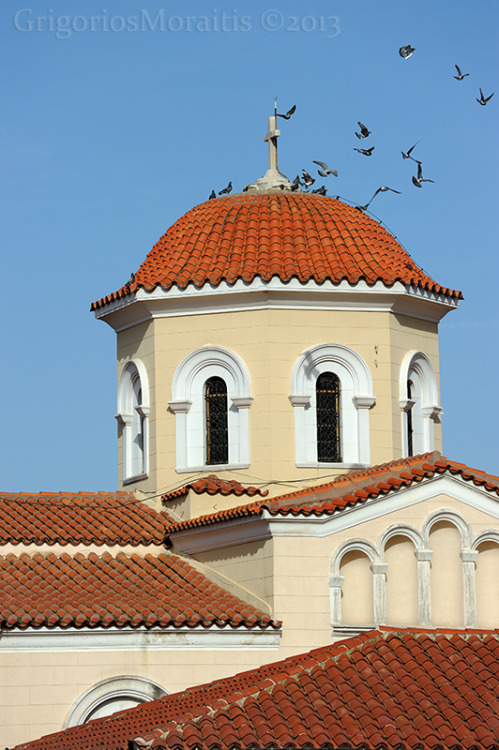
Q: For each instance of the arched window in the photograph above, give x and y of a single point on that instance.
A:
(331, 392)
(410, 428)
(133, 412)
(211, 421)
(418, 402)
(111, 695)
(327, 391)
(217, 430)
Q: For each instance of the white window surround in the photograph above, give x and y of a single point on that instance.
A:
(133, 415)
(111, 695)
(189, 408)
(417, 367)
(356, 398)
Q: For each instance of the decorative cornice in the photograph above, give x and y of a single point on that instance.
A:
(134, 639)
(142, 306)
(266, 526)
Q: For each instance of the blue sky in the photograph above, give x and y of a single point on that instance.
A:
(119, 116)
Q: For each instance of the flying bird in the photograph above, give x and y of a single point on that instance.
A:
(226, 190)
(365, 151)
(460, 75)
(307, 179)
(364, 132)
(419, 179)
(325, 169)
(296, 183)
(288, 113)
(212, 195)
(407, 154)
(483, 101)
(406, 51)
(320, 190)
(383, 189)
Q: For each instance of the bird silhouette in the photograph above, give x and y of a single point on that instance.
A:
(406, 51)
(460, 75)
(383, 189)
(325, 169)
(365, 151)
(296, 183)
(226, 190)
(288, 113)
(364, 132)
(212, 195)
(131, 279)
(320, 190)
(307, 179)
(419, 179)
(483, 100)
(407, 154)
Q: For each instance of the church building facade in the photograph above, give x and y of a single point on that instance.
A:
(281, 481)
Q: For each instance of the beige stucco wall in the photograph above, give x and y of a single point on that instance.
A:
(38, 690)
(295, 571)
(292, 573)
(269, 342)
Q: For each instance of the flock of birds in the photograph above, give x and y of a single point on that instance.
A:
(306, 181)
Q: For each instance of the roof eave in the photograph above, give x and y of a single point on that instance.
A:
(399, 298)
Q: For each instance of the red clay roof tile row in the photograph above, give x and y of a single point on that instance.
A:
(213, 485)
(79, 518)
(283, 235)
(396, 690)
(126, 590)
(349, 490)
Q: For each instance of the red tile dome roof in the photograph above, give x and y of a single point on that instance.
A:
(275, 234)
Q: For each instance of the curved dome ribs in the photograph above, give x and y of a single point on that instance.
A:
(269, 235)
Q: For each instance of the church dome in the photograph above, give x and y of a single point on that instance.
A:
(272, 234)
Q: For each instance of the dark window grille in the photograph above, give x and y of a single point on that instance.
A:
(217, 432)
(328, 417)
(410, 429)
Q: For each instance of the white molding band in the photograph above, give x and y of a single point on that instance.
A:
(136, 639)
(258, 528)
(142, 306)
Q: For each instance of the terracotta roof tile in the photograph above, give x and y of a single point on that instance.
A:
(127, 590)
(367, 692)
(283, 235)
(349, 490)
(213, 485)
(79, 518)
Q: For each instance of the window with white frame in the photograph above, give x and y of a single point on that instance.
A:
(111, 695)
(133, 413)
(331, 392)
(418, 403)
(211, 396)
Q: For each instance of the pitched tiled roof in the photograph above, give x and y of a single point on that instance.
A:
(350, 489)
(126, 590)
(385, 690)
(213, 485)
(79, 518)
(283, 235)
